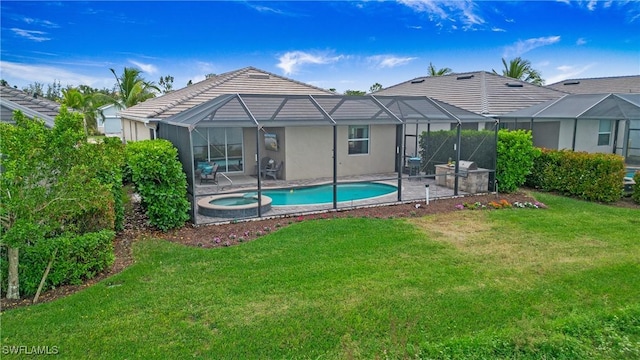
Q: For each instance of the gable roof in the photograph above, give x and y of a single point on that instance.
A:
(481, 92)
(32, 107)
(245, 80)
(584, 106)
(605, 85)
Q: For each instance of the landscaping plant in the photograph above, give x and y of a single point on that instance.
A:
(158, 177)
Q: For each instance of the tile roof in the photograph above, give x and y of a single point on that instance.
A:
(481, 92)
(31, 106)
(604, 85)
(248, 80)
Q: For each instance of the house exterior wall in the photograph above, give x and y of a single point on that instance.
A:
(587, 138)
(309, 152)
(135, 130)
(111, 124)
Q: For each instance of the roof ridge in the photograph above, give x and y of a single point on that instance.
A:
(206, 84)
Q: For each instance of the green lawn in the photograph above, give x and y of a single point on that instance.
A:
(563, 282)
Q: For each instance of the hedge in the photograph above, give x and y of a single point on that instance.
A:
(77, 258)
(589, 176)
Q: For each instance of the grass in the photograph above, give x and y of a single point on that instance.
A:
(557, 283)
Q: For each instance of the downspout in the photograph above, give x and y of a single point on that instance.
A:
(153, 130)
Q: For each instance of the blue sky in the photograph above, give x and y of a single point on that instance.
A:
(346, 45)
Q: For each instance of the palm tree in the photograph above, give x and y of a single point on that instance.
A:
(75, 99)
(132, 88)
(439, 72)
(521, 69)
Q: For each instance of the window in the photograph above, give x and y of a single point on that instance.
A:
(358, 140)
(604, 133)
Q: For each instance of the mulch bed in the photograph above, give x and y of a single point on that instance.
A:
(232, 234)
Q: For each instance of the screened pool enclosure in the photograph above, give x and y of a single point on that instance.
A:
(259, 143)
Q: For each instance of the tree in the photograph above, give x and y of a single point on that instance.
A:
(50, 185)
(166, 83)
(132, 88)
(521, 69)
(440, 72)
(54, 91)
(375, 87)
(354, 92)
(35, 89)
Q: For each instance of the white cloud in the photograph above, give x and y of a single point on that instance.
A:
(568, 72)
(148, 68)
(291, 61)
(581, 41)
(22, 75)
(524, 46)
(389, 61)
(497, 29)
(34, 35)
(452, 10)
(45, 23)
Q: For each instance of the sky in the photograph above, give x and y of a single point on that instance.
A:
(341, 45)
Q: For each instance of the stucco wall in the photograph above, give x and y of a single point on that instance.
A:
(309, 152)
(135, 130)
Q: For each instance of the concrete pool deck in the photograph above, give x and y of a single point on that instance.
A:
(413, 190)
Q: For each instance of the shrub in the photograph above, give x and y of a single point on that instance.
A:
(635, 195)
(516, 155)
(590, 176)
(78, 258)
(158, 177)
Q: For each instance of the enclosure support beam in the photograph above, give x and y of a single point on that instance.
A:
(258, 170)
(335, 166)
(457, 167)
(400, 157)
(575, 130)
(495, 157)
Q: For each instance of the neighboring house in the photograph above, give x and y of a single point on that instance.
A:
(109, 122)
(512, 100)
(12, 99)
(605, 85)
(140, 122)
(481, 92)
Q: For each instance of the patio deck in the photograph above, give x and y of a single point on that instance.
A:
(413, 190)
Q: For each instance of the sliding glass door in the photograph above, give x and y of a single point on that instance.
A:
(220, 145)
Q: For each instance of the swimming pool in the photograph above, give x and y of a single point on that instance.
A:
(323, 194)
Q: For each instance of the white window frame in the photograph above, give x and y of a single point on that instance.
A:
(607, 133)
(353, 139)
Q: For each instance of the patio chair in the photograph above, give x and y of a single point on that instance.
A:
(273, 172)
(265, 163)
(209, 173)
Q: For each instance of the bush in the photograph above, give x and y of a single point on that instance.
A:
(635, 195)
(516, 155)
(158, 177)
(78, 258)
(589, 176)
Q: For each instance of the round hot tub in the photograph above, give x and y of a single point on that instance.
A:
(233, 206)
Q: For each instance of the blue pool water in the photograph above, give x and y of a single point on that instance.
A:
(323, 194)
(631, 172)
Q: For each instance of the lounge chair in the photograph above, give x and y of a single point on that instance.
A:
(273, 172)
(209, 173)
(264, 164)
